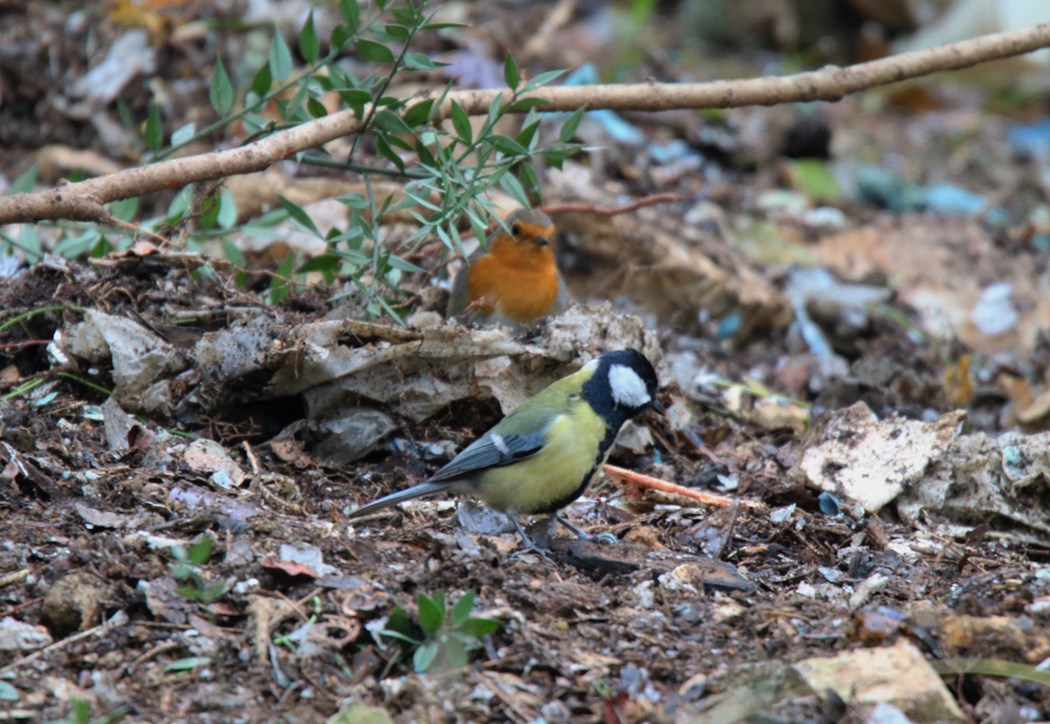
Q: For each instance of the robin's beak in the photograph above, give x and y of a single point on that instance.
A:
(541, 241)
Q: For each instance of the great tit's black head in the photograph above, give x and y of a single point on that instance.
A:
(624, 383)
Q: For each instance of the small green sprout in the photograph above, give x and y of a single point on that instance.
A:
(187, 570)
(446, 641)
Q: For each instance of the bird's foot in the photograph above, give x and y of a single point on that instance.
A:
(605, 538)
(541, 552)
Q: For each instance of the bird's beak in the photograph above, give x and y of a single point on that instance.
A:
(541, 241)
(655, 405)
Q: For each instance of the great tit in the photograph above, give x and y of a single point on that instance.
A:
(515, 283)
(544, 454)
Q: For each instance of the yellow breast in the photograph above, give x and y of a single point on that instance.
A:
(557, 475)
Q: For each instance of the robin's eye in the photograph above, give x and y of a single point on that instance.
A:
(515, 229)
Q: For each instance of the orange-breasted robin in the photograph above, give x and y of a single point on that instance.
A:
(515, 283)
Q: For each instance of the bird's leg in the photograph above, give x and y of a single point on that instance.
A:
(606, 538)
(528, 541)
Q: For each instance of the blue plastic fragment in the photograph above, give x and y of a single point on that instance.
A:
(829, 505)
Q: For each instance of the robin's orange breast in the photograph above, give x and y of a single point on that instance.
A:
(514, 280)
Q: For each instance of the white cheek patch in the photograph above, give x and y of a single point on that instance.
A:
(628, 389)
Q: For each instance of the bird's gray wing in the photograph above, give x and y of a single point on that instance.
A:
(459, 298)
(457, 301)
(491, 450)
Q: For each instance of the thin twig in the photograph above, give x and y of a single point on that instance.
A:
(637, 480)
(580, 207)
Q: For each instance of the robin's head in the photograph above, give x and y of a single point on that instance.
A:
(530, 226)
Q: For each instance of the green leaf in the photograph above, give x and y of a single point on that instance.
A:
(351, 13)
(25, 181)
(316, 108)
(280, 58)
(400, 264)
(154, 128)
(220, 92)
(461, 123)
(354, 201)
(209, 212)
(296, 212)
(426, 158)
(339, 38)
(527, 104)
(125, 209)
(419, 61)
(527, 134)
(355, 259)
(508, 146)
(391, 122)
(355, 98)
(279, 288)
(479, 627)
(181, 135)
(417, 114)
(513, 187)
(399, 622)
(233, 254)
(495, 110)
(199, 552)
(406, 15)
(510, 72)
(263, 81)
(814, 178)
(443, 26)
(81, 711)
(227, 210)
(529, 179)
(399, 636)
(187, 664)
(294, 107)
(8, 692)
(75, 246)
(371, 50)
(309, 45)
(542, 79)
(384, 150)
(424, 657)
(352, 233)
(101, 248)
(255, 123)
(213, 591)
(992, 667)
(461, 611)
(325, 263)
(555, 156)
(568, 129)
(455, 653)
(394, 31)
(431, 615)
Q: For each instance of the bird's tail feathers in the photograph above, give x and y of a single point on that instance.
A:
(416, 491)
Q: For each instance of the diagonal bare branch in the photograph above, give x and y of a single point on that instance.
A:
(84, 201)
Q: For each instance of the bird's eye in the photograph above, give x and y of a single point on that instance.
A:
(515, 229)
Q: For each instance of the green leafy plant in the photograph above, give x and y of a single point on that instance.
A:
(445, 641)
(448, 169)
(186, 569)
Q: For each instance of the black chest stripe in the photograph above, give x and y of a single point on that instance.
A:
(611, 431)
